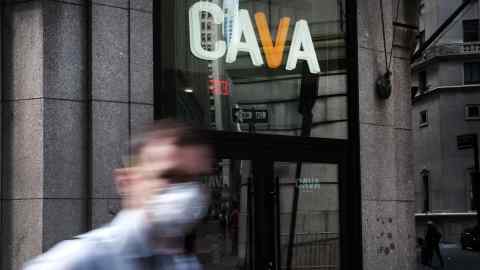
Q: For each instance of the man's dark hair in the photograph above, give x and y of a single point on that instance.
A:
(183, 133)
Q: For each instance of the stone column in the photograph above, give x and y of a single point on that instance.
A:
(22, 130)
(386, 137)
(77, 83)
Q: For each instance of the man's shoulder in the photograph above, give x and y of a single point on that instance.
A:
(76, 252)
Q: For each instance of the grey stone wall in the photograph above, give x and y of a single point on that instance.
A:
(385, 138)
(426, 143)
(435, 144)
(61, 132)
(436, 151)
(432, 15)
(435, 12)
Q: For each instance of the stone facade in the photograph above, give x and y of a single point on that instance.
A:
(388, 197)
(78, 81)
(444, 99)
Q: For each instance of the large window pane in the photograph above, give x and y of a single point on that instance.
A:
(267, 98)
(223, 240)
(316, 239)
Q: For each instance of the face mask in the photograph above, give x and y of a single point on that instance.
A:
(174, 211)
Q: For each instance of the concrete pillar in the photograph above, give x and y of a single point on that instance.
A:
(22, 187)
(77, 83)
(385, 138)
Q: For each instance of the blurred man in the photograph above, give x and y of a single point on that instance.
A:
(162, 201)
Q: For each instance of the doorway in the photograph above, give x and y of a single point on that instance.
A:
(275, 203)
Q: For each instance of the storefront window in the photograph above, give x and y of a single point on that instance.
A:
(270, 66)
(229, 237)
(273, 67)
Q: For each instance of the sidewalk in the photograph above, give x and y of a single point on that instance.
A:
(455, 258)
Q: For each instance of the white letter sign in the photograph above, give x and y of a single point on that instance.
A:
(302, 39)
(195, 31)
(237, 25)
(242, 26)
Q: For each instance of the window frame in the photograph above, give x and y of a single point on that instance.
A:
(422, 81)
(165, 106)
(476, 33)
(423, 123)
(470, 67)
(472, 118)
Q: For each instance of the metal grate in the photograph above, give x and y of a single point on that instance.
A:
(313, 251)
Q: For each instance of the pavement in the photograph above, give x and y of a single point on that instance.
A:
(455, 258)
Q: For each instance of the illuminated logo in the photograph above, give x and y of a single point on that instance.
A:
(301, 48)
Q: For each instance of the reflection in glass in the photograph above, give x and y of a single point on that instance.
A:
(316, 243)
(226, 239)
(228, 97)
(222, 240)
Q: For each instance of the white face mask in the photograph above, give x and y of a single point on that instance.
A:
(174, 211)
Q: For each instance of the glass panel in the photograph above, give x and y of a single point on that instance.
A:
(222, 240)
(256, 88)
(316, 242)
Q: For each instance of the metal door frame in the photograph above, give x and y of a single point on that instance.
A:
(267, 149)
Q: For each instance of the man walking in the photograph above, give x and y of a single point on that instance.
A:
(162, 201)
(432, 244)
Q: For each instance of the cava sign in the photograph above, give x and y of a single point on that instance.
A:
(302, 47)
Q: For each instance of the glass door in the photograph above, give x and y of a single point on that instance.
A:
(225, 240)
(309, 217)
(268, 214)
